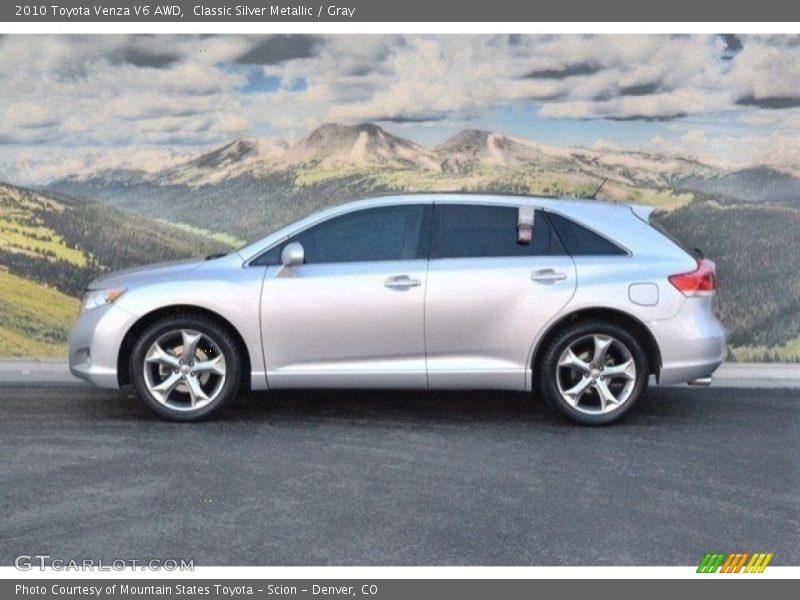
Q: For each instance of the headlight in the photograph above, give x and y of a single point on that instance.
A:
(96, 298)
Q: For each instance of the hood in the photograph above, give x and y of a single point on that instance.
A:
(129, 277)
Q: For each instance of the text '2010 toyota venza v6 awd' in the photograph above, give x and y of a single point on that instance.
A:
(578, 302)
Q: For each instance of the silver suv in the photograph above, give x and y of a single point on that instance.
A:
(579, 302)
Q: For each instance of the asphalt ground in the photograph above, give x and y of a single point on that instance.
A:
(378, 478)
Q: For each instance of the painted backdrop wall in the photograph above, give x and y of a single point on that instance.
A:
(119, 150)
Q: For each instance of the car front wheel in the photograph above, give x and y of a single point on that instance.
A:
(185, 368)
(593, 372)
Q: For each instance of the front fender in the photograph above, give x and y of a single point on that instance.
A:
(234, 298)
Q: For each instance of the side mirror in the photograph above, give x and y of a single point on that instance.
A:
(293, 255)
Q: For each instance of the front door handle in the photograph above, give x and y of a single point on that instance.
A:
(401, 282)
(548, 276)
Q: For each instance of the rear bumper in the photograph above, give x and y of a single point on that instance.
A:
(94, 345)
(692, 344)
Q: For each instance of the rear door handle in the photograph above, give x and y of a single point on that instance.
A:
(401, 282)
(548, 276)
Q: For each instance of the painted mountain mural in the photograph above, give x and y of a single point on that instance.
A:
(58, 236)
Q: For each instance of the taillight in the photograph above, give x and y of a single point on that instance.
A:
(700, 282)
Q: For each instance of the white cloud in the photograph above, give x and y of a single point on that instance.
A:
(602, 144)
(41, 165)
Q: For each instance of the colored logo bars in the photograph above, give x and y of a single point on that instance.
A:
(734, 562)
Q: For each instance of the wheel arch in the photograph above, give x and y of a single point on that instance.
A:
(128, 342)
(631, 323)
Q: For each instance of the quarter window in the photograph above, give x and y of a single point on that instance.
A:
(580, 241)
(474, 230)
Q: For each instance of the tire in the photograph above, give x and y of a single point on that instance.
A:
(577, 387)
(178, 384)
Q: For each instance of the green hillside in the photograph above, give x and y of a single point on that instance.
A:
(759, 184)
(755, 248)
(64, 242)
(52, 246)
(34, 319)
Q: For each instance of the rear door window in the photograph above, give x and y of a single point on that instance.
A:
(479, 231)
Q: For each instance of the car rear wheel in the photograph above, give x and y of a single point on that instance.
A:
(593, 372)
(185, 368)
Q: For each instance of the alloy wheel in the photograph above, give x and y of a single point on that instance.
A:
(184, 369)
(596, 374)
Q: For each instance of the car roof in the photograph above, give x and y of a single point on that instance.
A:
(547, 202)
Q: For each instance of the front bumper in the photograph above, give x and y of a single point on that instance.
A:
(692, 344)
(95, 342)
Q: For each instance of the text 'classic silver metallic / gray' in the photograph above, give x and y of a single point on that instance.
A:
(579, 302)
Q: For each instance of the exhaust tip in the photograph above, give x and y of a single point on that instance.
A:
(702, 381)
